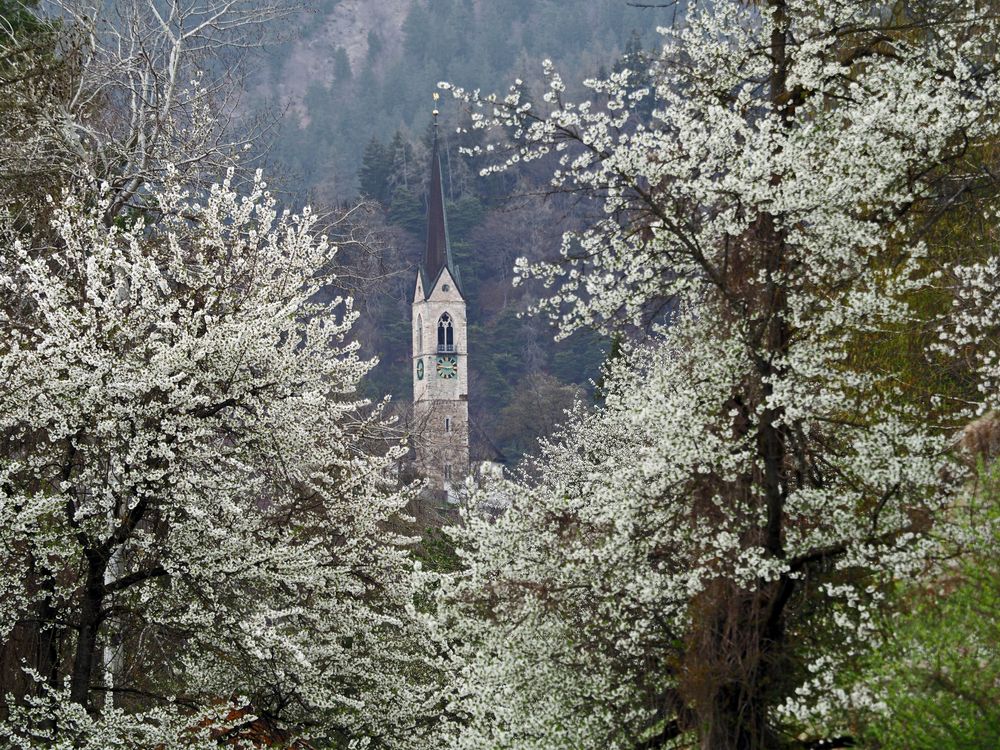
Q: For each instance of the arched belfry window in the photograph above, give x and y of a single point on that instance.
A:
(420, 333)
(446, 334)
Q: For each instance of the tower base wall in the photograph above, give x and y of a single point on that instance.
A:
(441, 430)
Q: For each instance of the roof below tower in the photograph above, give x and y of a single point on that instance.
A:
(481, 448)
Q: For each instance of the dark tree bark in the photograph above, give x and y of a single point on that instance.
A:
(87, 630)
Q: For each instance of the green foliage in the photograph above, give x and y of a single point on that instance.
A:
(436, 552)
(405, 170)
(376, 169)
(956, 232)
(537, 406)
(941, 667)
(37, 70)
(574, 362)
(19, 22)
(407, 211)
(464, 215)
(392, 347)
(27, 49)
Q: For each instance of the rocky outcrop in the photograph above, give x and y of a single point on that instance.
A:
(346, 26)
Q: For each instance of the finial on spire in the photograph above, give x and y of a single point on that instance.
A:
(435, 110)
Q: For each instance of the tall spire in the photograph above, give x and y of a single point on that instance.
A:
(437, 253)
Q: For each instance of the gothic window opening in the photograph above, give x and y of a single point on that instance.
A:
(420, 333)
(447, 472)
(446, 334)
(447, 424)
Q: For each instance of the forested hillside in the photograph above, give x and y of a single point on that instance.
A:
(357, 79)
(352, 69)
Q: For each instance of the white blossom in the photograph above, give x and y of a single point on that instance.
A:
(740, 505)
(185, 451)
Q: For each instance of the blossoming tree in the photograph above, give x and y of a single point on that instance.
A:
(195, 504)
(703, 556)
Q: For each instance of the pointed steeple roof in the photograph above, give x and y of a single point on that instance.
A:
(437, 253)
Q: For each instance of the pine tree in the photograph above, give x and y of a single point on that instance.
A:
(341, 65)
(376, 172)
(405, 171)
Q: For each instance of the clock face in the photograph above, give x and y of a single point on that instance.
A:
(420, 369)
(447, 367)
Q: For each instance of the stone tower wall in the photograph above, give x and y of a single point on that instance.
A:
(440, 405)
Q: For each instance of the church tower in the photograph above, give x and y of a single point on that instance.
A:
(440, 352)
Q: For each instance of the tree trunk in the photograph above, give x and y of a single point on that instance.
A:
(47, 656)
(735, 721)
(90, 622)
(45, 659)
(737, 663)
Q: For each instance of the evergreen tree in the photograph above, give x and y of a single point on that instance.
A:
(376, 171)
(341, 65)
(405, 171)
(407, 211)
(375, 45)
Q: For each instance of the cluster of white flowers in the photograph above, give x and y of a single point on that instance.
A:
(971, 332)
(737, 508)
(188, 506)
